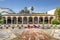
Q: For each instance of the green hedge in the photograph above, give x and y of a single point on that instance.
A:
(1, 21)
(55, 22)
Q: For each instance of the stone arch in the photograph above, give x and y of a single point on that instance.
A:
(41, 20)
(35, 20)
(25, 20)
(19, 20)
(4, 20)
(30, 20)
(51, 19)
(14, 20)
(46, 20)
(8, 20)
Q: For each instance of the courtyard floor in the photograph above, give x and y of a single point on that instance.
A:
(10, 34)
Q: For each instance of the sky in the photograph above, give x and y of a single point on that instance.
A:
(39, 5)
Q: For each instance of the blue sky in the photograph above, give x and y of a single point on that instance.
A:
(39, 5)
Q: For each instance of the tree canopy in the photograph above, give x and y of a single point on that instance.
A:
(1, 18)
(25, 10)
(32, 8)
(57, 13)
(55, 22)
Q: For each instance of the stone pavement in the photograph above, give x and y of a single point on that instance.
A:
(53, 32)
(8, 34)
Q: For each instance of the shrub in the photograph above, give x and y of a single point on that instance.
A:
(1, 21)
(55, 22)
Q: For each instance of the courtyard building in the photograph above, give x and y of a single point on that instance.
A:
(23, 19)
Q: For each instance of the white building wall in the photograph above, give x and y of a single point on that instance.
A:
(51, 12)
(5, 10)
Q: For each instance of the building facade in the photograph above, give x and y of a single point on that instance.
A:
(25, 19)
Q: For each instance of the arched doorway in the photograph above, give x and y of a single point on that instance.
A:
(4, 20)
(25, 20)
(35, 20)
(41, 20)
(9, 20)
(19, 20)
(51, 19)
(46, 20)
(14, 20)
(30, 20)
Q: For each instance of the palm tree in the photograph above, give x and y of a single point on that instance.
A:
(25, 10)
(32, 8)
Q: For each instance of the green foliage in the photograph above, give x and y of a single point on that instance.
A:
(32, 8)
(58, 12)
(0, 18)
(55, 22)
(0, 15)
(25, 10)
(22, 11)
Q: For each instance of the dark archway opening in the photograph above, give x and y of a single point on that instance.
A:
(8, 20)
(51, 19)
(30, 20)
(14, 20)
(46, 20)
(25, 20)
(19, 20)
(35, 20)
(41, 20)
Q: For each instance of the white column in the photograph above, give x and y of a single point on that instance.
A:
(53, 19)
(11, 19)
(33, 19)
(27, 19)
(48, 20)
(16, 20)
(38, 20)
(43, 19)
(22, 20)
(6, 19)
